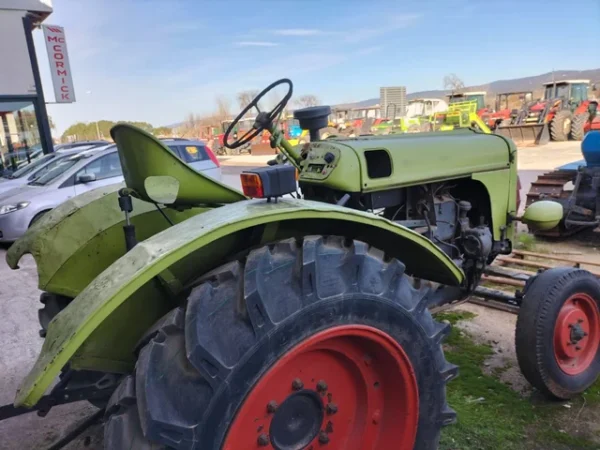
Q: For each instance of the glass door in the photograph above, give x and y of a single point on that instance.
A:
(20, 142)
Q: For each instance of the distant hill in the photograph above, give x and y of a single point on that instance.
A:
(533, 83)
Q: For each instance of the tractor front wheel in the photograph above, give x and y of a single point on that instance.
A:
(578, 125)
(560, 125)
(297, 346)
(558, 332)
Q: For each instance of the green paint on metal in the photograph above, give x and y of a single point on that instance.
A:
(498, 185)
(416, 159)
(143, 156)
(543, 215)
(122, 291)
(162, 189)
(77, 240)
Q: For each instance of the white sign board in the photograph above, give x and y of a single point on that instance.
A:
(60, 69)
(16, 75)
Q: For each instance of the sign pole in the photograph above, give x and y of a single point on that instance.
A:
(41, 114)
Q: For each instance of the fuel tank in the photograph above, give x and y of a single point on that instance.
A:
(590, 147)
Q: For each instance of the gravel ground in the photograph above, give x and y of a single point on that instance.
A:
(21, 345)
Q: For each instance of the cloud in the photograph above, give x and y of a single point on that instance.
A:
(299, 32)
(256, 44)
(393, 23)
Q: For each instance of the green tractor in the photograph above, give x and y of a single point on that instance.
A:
(458, 115)
(197, 316)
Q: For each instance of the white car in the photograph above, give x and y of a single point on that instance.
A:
(79, 173)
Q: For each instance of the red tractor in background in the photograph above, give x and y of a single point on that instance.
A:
(507, 107)
(586, 121)
(560, 115)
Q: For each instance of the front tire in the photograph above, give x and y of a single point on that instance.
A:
(560, 125)
(558, 332)
(319, 326)
(578, 125)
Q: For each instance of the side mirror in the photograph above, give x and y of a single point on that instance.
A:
(543, 215)
(86, 178)
(162, 189)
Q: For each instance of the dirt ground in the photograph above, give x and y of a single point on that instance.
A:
(21, 342)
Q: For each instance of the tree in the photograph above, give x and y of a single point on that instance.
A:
(245, 97)
(305, 101)
(162, 132)
(223, 108)
(453, 83)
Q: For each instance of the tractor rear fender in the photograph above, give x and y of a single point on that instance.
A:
(99, 330)
(76, 241)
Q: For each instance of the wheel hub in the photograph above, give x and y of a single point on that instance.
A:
(297, 421)
(576, 334)
(350, 387)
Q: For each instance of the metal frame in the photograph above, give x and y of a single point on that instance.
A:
(40, 103)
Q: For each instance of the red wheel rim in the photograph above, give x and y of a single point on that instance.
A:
(577, 334)
(362, 380)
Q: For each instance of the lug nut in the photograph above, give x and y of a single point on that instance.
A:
(321, 386)
(272, 406)
(323, 437)
(331, 408)
(297, 384)
(263, 440)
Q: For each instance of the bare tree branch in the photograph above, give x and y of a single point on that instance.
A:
(305, 101)
(454, 83)
(223, 108)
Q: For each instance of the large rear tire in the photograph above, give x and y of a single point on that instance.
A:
(326, 329)
(558, 332)
(560, 125)
(578, 125)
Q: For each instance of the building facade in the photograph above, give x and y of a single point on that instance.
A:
(392, 101)
(24, 126)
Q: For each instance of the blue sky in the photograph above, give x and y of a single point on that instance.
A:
(160, 60)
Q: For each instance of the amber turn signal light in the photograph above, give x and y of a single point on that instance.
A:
(269, 182)
(252, 185)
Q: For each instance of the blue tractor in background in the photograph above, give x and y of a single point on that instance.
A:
(577, 187)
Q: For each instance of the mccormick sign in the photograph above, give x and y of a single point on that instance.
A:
(60, 69)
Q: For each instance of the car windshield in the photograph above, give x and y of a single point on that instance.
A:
(58, 168)
(26, 170)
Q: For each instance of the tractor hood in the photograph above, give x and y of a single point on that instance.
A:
(403, 160)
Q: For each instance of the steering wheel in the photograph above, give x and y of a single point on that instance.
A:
(263, 120)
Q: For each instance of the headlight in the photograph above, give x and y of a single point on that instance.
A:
(5, 209)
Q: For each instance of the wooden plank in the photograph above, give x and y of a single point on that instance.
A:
(503, 280)
(510, 272)
(551, 256)
(494, 305)
(523, 262)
